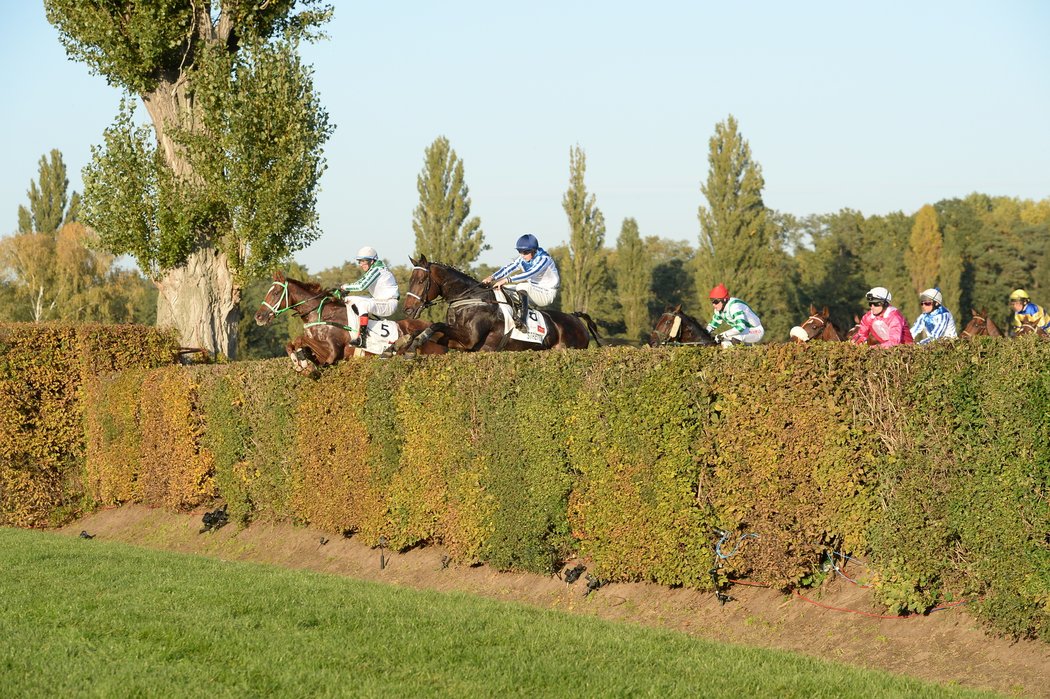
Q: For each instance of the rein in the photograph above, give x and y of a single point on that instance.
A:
(284, 298)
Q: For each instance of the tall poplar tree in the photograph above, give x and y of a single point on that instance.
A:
(443, 231)
(634, 269)
(582, 279)
(923, 256)
(739, 245)
(48, 210)
(224, 183)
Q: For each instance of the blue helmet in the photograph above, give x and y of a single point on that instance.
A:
(527, 243)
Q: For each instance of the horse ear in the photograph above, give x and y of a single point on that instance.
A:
(278, 276)
(812, 310)
(677, 308)
(422, 259)
(856, 319)
(825, 313)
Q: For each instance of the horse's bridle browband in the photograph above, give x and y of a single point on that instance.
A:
(820, 328)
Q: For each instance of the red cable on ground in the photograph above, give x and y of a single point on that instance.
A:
(851, 611)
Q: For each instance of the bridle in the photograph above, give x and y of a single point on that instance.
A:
(284, 298)
(424, 303)
(818, 329)
(984, 324)
(674, 334)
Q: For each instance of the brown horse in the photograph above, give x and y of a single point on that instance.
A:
(1030, 329)
(676, 327)
(476, 320)
(872, 340)
(981, 325)
(818, 327)
(326, 336)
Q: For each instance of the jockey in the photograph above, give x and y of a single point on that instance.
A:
(935, 320)
(1027, 312)
(883, 320)
(743, 322)
(379, 283)
(532, 273)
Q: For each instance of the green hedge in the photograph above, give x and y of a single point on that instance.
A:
(43, 370)
(930, 463)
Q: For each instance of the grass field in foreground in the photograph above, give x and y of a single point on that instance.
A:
(92, 618)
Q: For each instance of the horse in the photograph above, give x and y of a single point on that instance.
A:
(980, 325)
(1030, 329)
(326, 337)
(818, 327)
(676, 327)
(872, 340)
(476, 319)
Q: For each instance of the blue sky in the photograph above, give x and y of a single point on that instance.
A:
(877, 107)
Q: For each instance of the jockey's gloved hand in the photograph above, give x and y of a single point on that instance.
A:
(337, 293)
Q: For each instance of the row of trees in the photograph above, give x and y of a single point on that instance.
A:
(52, 269)
(222, 189)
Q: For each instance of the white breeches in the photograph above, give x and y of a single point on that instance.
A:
(538, 295)
(384, 308)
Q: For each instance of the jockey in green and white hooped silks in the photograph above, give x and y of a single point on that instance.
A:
(532, 273)
(379, 283)
(744, 324)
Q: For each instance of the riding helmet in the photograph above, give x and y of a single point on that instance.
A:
(719, 292)
(1019, 295)
(367, 253)
(527, 243)
(879, 293)
(933, 294)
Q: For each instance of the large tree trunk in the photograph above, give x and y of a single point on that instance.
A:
(200, 300)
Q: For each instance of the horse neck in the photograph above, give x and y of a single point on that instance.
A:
(451, 283)
(831, 333)
(310, 301)
(695, 328)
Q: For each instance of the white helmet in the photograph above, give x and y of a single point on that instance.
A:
(879, 293)
(367, 253)
(932, 295)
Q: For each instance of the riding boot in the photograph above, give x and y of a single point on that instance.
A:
(362, 330)
(522, 320)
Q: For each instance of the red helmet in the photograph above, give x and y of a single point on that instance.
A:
(719, 292)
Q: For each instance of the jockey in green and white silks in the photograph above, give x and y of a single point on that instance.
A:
(744, 324)
(379, 283)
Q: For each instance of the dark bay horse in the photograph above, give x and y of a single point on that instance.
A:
(475, 320)
(1030, 329)
(818, 327)
(981, 325)
(676, 327)
(326, 338)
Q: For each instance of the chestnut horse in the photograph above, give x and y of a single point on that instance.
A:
(676, 327)
(475, 320)
(980, 325)
(818, 327)
(326, 336)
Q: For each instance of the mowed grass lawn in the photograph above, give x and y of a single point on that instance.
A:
(93, 618)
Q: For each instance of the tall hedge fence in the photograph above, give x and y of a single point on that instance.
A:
(44, 369)
(931, 464)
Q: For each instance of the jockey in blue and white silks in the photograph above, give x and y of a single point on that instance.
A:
(935, 321)
(379, 283)
(532, 273)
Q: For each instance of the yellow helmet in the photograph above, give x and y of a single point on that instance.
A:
(1019, 295)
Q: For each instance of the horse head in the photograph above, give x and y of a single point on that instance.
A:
(287, 294)
(817, 327)
(431, 280)
(677, 326)
(980, 325)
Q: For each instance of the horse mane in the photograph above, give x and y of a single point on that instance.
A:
(308, 287)
(458, 272)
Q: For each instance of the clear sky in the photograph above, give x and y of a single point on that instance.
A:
(877, 107)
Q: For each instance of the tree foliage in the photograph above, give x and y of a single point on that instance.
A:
(739, 243)
(633, 280)
(443, 230)
(225, 185)
(583, 273)
(50, 206)
(923, 256)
